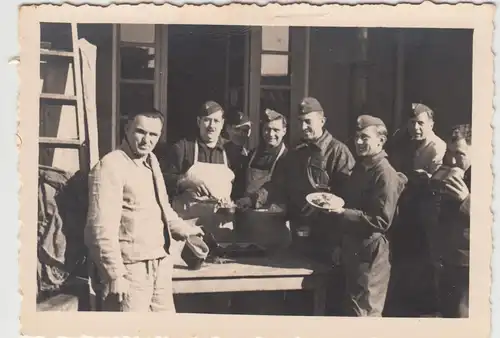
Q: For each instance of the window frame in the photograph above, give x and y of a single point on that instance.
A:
(159, 82)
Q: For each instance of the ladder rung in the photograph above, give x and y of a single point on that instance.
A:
(61, 143)
(51, 52)
(58, 98)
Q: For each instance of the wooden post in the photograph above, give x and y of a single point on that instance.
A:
(399, 98)
(254, 82)
(115, 115)
(161, 75)
(299, 51)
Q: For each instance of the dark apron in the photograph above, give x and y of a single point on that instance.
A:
(269, 230)
(262, 226)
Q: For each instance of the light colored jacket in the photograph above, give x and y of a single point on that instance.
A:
(128, 218)
(429, 156)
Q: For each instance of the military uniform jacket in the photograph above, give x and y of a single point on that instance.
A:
(374, 190)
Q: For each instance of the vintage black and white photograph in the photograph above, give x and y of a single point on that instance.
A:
(249, 169)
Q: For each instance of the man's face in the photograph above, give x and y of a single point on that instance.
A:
(312, 125)
(211, 126)
(368, 142)
(420, 126)
(273, 133)
(143, 134)
(239, 135)
(457, 155)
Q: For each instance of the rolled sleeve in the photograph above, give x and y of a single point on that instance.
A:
(104, 219)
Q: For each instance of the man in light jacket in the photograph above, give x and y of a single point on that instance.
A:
(130, 222)
(418, 154)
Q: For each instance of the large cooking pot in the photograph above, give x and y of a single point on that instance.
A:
(264, 227)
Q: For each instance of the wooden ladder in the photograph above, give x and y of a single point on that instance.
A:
(55, 57)
(81, 142)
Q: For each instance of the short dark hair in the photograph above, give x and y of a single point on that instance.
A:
(419, 108)
(461, 132)
(152, 113)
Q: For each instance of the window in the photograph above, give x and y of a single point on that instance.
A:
(275, 82)
(137, 63)
(275, 57)
(137, 71)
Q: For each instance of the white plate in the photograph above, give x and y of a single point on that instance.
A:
(334, 204)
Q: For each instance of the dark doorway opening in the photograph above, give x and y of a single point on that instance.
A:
(204, 63)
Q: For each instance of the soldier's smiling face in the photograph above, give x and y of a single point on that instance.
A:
(369, 141)
(312, 125)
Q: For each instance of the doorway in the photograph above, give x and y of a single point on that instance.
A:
(203, 64)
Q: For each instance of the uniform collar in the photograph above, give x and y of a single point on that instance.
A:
(125, 147)
(322, 142)
(369, 162)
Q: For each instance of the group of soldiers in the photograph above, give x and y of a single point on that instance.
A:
(390, 198)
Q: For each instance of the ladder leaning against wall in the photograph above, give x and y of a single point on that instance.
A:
(61, 97)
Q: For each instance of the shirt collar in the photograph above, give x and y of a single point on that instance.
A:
(219, 145)
(125, 147)
(428, 140)
(270, 151)
(370, 161)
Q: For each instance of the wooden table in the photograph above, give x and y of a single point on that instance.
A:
(280, 271)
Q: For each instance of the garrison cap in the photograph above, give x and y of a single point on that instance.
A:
(309, 105)
(271, 115)
(419, 108)
(237, 119)
(209, 108)
(365, 121)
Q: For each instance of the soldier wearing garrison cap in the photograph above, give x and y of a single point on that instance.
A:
(319, 163)
(374, 190)
(199, 172)
(238, 129)
(417, 152)
(265, 172)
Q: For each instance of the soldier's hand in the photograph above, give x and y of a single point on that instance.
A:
(195, 231)
(119, 287)
(202, 189)
(456, 188)
(335, 211)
